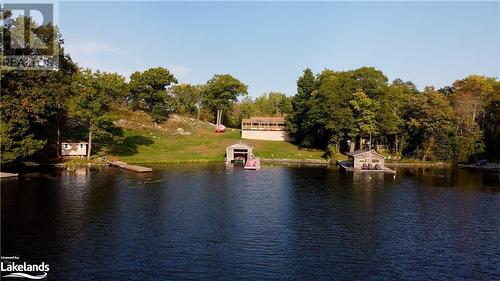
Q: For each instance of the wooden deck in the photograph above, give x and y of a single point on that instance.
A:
(134, 168)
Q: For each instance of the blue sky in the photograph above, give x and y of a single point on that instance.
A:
(268, 45)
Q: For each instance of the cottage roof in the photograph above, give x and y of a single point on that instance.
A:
(361, 151)
(73, 141)
(279, 120)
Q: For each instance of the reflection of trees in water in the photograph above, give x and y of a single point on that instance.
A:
(454, 177)
(334, 222)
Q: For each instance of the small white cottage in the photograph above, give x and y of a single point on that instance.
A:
(74, 148)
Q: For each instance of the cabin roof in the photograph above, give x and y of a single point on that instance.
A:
(73, 141)
(265, 120)
(361, 151)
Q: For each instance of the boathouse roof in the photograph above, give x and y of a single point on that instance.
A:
(240, 145)
(361, 152)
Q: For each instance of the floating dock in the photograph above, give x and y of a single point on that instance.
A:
(134, 168)
(252, 164)
(4, 175)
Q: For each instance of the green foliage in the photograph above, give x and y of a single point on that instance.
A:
(473, 99)
(188, 98)
(429, 120)
(459, 122)
(273, 104)
(306, 85)
(223, 90)
(364, 110)
(148, 91)
(32, 101)
(270, 104)
(449, 124)
(17, 141)
(329, 118)
(90, 106)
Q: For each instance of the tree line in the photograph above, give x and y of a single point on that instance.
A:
(40, 107)
(332, 110)
(342, 110)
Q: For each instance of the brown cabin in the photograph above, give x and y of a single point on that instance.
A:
(366, 160)
(264, 128)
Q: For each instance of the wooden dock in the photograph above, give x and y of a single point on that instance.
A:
(134, 168)
(4, 175)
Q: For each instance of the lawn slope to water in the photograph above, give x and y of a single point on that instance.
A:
(196, 142)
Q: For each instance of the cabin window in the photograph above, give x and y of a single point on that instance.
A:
(81, 145)
(362, 160)
(65, 146)
(374, 160)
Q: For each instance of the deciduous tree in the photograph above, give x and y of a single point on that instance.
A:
(221, 92)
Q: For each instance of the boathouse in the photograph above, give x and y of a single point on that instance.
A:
(74, 148)
(264, 128)
(239, 152)
(366, 160)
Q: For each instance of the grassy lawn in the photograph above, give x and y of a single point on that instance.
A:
(150, 146)
(145, 142)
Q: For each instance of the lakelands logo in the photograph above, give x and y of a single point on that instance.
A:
(17, 269)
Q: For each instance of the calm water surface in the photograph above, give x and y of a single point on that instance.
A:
(207, 222)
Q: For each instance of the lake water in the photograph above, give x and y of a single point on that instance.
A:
(207, 222)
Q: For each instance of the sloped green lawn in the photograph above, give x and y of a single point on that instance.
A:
(148, 146)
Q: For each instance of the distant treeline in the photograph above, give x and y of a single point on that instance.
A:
(339, 110)
(331, 110)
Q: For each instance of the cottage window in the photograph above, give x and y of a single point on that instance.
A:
(65, 146)
(362, 160)
(374, 160)
(81, 145)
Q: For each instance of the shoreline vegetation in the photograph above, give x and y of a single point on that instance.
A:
(154, 118)
(182, 139)
(187, 140)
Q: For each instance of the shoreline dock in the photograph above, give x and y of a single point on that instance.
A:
(134, 168)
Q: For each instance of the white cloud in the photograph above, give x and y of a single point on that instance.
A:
(179, 71)
(99, 55)
(91, 48)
